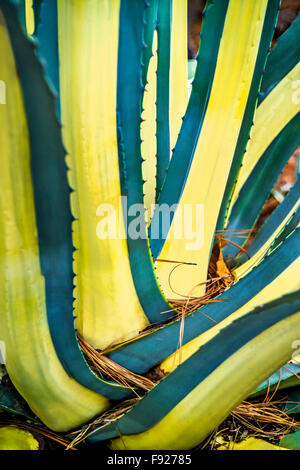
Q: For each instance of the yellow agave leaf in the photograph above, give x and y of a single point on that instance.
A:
(296, 359)
(215, 149)
(31, 361)
(178, 68)
(246, 267)
(277, 109)
(220, 392)
(178, 99)
(148, 133)
(29, 17)
(282, 284)
(251, 443)
(106, 307)
(12, 438)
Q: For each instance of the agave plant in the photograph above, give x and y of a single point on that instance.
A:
(114, 73)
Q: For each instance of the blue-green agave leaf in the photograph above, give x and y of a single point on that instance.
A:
(285, 377)
(52, 204)
(283, 58)
(173, 388)
(130, 90)
(291, 441)
(259, 184)
(265, 41)
(174, 182)
(150, 350)
(46, 33)
(163, 93)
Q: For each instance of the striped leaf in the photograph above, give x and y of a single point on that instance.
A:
(272, 277)
(235, 86)
(260, 182)
(27, 303)
(218, 376)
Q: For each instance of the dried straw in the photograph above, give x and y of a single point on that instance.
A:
(108, 417)
(106, 367)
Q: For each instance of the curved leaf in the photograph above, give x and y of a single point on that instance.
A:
(101, 261)
(46, 32)
(185, 147)
(244, 134)
(12, 438)
(285, 377)
(274, 276)
(283, 58)
(291, 441)
(180, 401)
(53, 214)
(236, 70)
(251, 443)
(31, 359)
(283, 220)
(129, 105)
(163, 91)
(260, 182)
(276, 111)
